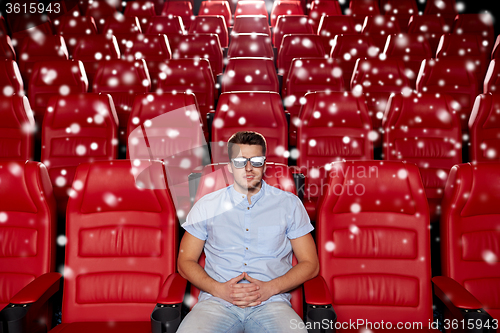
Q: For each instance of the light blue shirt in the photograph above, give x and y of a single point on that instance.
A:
(254, 238)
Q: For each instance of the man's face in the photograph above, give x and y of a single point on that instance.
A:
(247, 179)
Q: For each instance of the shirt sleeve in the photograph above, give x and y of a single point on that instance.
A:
(299, 223)
(196, 223)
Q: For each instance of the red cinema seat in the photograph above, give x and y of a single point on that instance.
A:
(444, 8)
(73, 28)
(122, 247)
(6, 48)
(212, 8)
(359, 9)
(454, 77)
(250, 45)
(100, 11)
(402, 10)
(378, 79)
(346, 49)
(142, 9)
(491, 82)
(27, 258)
(484, 125)
(480, 24)
(123, 80)
(34, 28)
(16, 129)
(250, 74)
(424, 129)
(285, 7)
(330, 26)
(11, 81)
(412, 49)
(217, 176)
(432, 26)
(190, 75)
(78, 128)
(200, 46)
(374, 251)
(3, 27)
(308, 75)
(334, 126)
(169, 25)
(124, 28)
(91, 50)
(251, 24)
(172, 130)
(251, 7)
(298, 46)
(467, 46)
(290, 24)
(155, 49)
(184, 9)
(259, 111)
(213, 24)
(55, 78)
(469, 233)
(378, 27)
(43, 49)
(319, 8)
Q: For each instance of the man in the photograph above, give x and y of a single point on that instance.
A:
(248, 231)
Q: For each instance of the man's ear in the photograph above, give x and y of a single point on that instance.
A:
(230, 167)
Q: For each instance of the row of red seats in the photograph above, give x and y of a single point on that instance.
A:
(372, 237)
(421, 128)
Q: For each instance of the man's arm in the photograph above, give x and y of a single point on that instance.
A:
(306, 268)
(189, 268)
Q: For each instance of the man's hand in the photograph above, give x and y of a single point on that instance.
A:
(266, 289)
(240, 294)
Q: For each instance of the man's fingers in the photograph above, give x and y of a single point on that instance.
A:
(249, 286)
(244, 295)
(254, 303)
(237, 278)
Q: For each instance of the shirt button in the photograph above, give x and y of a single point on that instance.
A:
(247, 229)
(246, 248)
(245, 264)
(243, 196)
(248, 208)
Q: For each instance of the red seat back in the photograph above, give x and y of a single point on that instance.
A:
(72, 28)
(253, 111)
(122, 242)
(290, 24)
(453, 76)
(250, 74)
(251, 7)
(28, 228)
(169, 25)
(346, 49)
(216, 8)
(412, 49)
(424, 129)
(359, 9)
(469, 229)
(374, 251)
(480, 24)
(184, 9)
(93, 49)
(431, 26)
(285, 7)
(211, 24)
(378, 27)
(16, 128)
(333, 126)
(77, 128)
(55, 78)
(331, 26)
(251, 23)
(402, 10)
(484, 125)
(322, 7)
(6, 48)
(11, 81)
(298, 46)
(250, 45)
(142, 9)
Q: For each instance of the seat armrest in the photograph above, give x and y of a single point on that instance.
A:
(300, 181)
(22, 314)
(452, 292)
(319, 310)
(316, 292)
(173, 290)
(166, 316)
(463, 305)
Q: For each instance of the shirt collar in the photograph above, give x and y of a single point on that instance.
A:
(238, 197)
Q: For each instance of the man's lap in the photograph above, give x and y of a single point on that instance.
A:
(214, 317)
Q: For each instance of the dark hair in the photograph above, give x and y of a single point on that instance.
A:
(246, 138)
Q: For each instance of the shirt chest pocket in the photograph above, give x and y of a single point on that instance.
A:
(270, 239)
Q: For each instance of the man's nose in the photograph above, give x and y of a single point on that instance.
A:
(248, 166)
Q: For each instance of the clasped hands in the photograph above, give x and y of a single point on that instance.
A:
(245, 294)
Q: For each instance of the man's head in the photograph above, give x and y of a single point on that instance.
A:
(247, 176)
